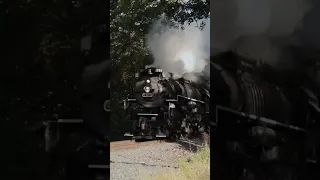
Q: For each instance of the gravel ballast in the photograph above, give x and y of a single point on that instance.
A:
(132, 164)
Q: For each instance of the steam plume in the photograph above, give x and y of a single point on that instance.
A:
(185, 53)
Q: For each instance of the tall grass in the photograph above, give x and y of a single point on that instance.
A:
(196, 169)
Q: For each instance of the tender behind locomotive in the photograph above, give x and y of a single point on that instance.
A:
(164, 107)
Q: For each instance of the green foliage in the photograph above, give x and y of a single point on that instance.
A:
(42, 45)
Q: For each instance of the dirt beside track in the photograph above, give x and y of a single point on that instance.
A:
(131, 144)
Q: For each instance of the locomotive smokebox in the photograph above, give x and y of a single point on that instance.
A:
(148, 89)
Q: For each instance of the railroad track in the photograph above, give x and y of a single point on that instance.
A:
(131, 144)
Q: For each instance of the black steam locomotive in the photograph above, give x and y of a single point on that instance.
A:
(164, 107)
(264, 121)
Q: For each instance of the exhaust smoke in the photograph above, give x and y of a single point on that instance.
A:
(184, 53)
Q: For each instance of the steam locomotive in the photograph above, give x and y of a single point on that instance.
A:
(164, 107)
(264, 121)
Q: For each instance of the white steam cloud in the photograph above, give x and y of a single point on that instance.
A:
(256, 29)
(185, 53)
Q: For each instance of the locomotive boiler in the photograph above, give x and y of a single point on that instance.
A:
(263, 121)
(164, 107)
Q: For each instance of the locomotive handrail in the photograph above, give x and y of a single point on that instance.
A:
(191, 99)
(257, 118)
(129, 100)
(125, 102)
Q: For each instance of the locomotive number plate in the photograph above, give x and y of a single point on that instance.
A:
(146, 94)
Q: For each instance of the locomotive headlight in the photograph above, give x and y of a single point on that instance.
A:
(148, 81)
(147, 89)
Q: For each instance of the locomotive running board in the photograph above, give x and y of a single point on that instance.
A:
(146, 114)
(161, 136)
(144, 137)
